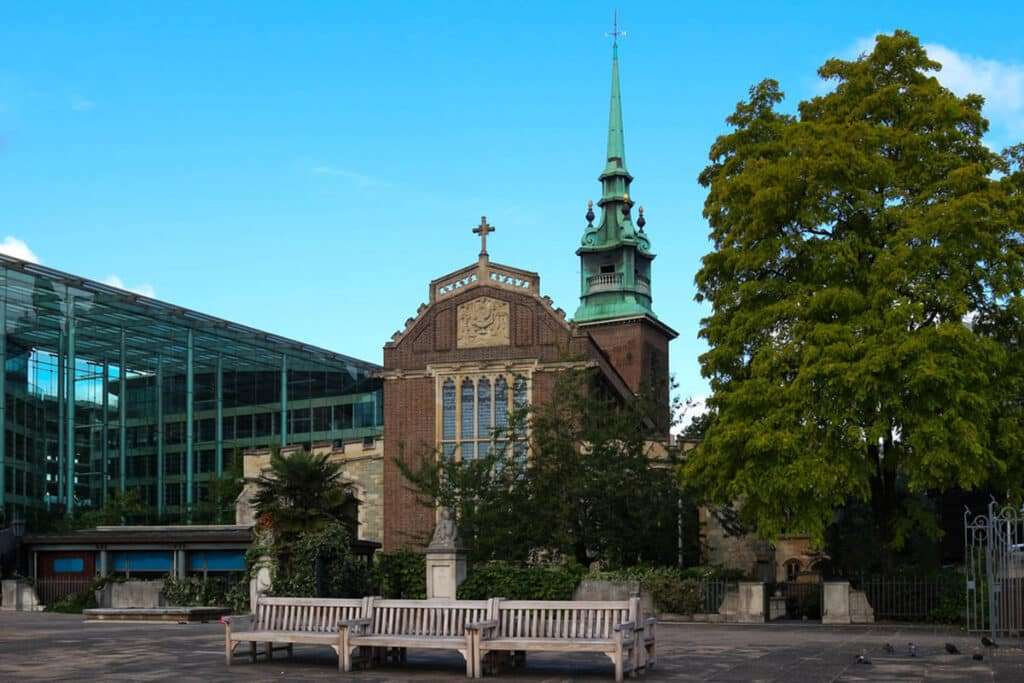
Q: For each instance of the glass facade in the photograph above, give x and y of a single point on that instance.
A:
(106, 390)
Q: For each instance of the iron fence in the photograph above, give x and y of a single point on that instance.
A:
(712, 593)
(803, 598)
(907, 598)
(50, 590)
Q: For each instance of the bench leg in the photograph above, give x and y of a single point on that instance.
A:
(229, 651)
(270, 650)
(252, 650)
(618, 667)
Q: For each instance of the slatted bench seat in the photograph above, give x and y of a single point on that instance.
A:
(395, 625)
(291, 620)
(607, 627)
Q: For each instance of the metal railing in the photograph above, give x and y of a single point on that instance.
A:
(905, 598)
(52, 589)
(712, 592)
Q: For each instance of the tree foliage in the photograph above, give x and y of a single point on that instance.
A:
(865, 286)
(589, 492)
(304, 492)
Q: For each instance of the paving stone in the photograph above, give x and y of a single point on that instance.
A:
(61, 647)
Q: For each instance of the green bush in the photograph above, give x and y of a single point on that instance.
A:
(953, 598)
(325, 552)
(195, 591)
(673, 590)
(519, 582)
(399, 574)
(75, 603)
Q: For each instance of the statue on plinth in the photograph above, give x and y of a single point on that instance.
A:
(446, 533)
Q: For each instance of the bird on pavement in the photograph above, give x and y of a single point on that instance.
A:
(889, 649)
(988, 642)
(861, 659)
(977, 657)
(912, 649)
(952, 649)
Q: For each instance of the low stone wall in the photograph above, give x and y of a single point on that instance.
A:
(131, 595)
(18, 596)
(615, 590)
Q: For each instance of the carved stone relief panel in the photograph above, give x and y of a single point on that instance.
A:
(483, 322)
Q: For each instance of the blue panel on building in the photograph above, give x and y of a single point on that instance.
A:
(217, 560)
(69, 565)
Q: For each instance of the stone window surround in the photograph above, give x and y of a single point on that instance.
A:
(458, 373)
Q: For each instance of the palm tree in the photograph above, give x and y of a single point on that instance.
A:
(305, 492)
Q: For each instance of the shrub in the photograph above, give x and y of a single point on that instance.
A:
(195, 591)
(673, 590)
(320, 564)
(75, 603)
(519, 582)
(400, 574)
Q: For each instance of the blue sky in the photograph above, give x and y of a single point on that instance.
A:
(308, 167)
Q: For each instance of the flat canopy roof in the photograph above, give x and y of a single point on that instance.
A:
(40, 300)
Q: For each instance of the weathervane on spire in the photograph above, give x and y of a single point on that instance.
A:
(615, 32)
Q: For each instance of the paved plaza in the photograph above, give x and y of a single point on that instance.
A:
(36, 646)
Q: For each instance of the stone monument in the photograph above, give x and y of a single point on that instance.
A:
(446, 559)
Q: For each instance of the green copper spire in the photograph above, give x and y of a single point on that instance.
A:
(615, 256)
(616, 139)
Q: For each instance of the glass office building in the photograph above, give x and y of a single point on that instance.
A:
(106, 390)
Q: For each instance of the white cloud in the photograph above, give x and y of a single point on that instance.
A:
(12, 246)
(358, 178)
(1001, 84)
(144, 290)
(79, 103)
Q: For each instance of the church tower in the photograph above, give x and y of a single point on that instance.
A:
(615, 270)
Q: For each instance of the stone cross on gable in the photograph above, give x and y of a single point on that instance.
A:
(483, 230)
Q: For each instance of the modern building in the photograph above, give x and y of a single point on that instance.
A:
(107, 390)
(488, 341)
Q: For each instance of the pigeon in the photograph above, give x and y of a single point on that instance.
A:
(952, 649)
(889, 649)
(861, 659)
(912, 649)
(988, 642)
(977, 657)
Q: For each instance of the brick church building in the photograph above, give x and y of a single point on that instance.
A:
(488, 341)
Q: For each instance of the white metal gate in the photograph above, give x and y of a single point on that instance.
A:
(994, 565)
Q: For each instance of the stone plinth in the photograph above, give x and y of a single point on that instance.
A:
(19, 596)
(446, 569)
(776, 607)
(745, 605)
(836, 603)
(446, 559)
(861, 612)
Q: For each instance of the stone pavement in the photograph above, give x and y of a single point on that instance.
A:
(53, 647)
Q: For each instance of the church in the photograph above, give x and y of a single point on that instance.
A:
(488, 341)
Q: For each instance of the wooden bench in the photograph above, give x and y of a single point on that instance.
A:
(392, 626)
(292, 620)
(607, 627)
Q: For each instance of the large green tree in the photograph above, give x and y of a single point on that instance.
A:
(865, 286)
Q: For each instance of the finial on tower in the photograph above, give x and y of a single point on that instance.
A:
(590, 214)
(615, 32)
(483, 230)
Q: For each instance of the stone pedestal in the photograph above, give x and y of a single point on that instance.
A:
(446, 559)
(745, 605)
(836, 603)
(260, 582)
(446, 569)
(776, 607)
(19, 596)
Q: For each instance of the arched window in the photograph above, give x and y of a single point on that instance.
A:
(474, 414)
(792, 569)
